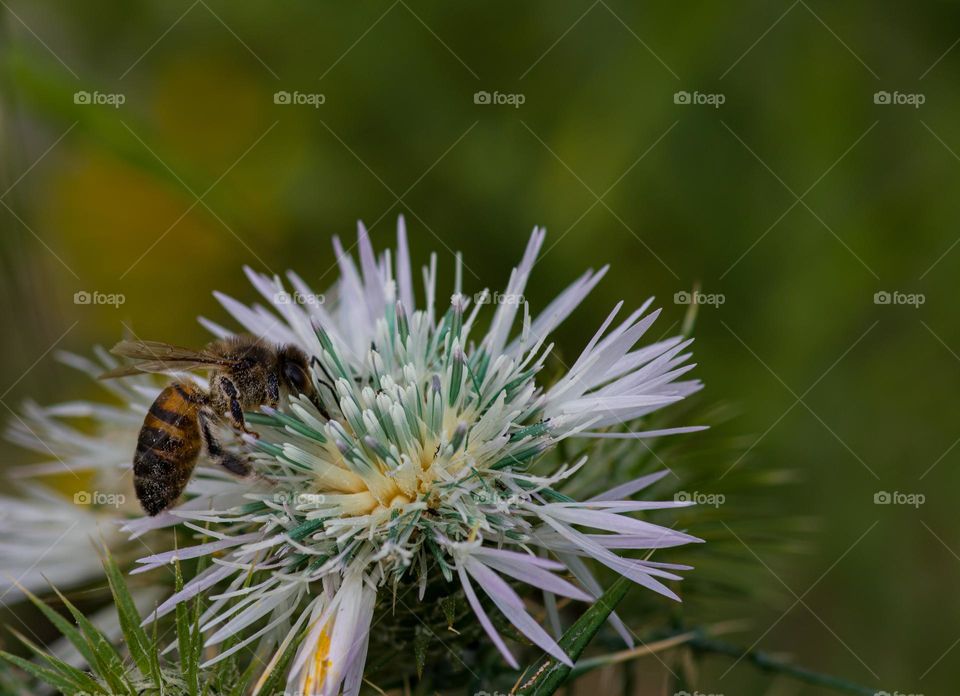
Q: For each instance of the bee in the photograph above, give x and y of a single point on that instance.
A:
(245, 373)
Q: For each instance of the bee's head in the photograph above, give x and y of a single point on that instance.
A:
(293, 370)
(251, 372)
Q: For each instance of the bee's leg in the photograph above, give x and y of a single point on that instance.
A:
(228, 460)
(328, 383)
(229, 390)
(317, 401)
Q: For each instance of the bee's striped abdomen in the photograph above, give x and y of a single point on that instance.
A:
(167, 447)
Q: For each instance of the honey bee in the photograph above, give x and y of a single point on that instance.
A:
(246, 373)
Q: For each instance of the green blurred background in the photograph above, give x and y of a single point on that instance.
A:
(796, 200)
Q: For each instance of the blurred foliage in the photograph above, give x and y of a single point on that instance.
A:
(853, 396)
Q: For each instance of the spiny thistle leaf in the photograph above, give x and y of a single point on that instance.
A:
(420, 641)
(148, 674)
(12, 683)
(187, 640)
(449, 606)
(548, 675)
(107, 661)
(69, 631)
(48, 676)
(136, 638)
(82, 680)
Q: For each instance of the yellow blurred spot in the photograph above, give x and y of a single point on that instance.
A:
(210, 108)
(320, 662)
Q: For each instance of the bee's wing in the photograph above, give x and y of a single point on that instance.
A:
(122, 371)
(159, 351)
(154, 356)
(149, 366)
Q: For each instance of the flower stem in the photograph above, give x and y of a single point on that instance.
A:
(768, 663)
(700, 640)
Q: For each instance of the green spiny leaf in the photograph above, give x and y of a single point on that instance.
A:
(185, 638)
(448, 605)
(421, 640)
(48, 676)
(546, 676)
(107, 662)
(68, 630)
(83, 680)
(137, 641)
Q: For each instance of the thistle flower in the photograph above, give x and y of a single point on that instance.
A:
(415, 461)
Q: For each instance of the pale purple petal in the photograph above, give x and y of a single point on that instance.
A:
(612, 561)
(196, 551)
(625, 490)
(484, 619)
(511, 606)
(533, 574)
(208, 578)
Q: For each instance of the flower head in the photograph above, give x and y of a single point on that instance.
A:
(415, 461)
